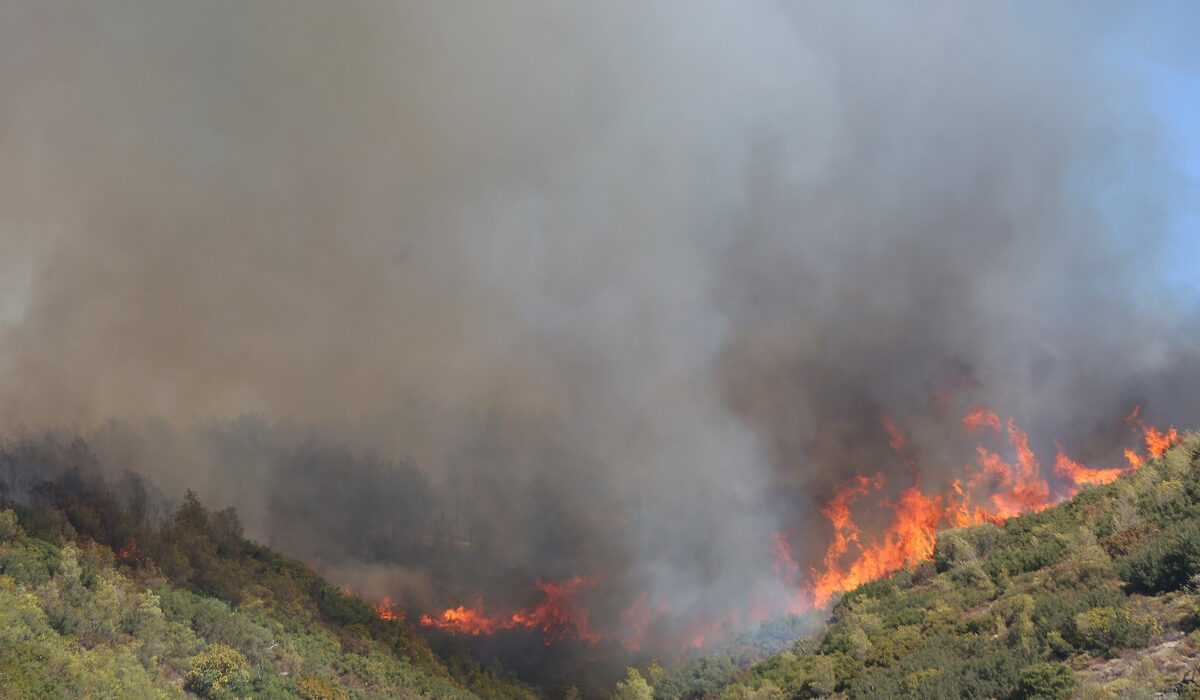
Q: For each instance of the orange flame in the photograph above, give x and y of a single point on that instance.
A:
(1075, 472)
(130, 552)
(1000, 483)
(896, 439)
(463, 620)
(992, 490)
(637, 620)
(386, 610)
(558, 615)
(702, 633)
(979, 417)
(1157, 441)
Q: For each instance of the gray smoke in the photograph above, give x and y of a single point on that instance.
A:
(637, 279)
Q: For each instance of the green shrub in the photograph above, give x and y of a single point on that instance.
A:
(10, 529)
(218, 672)
(313, 687)
(1104, 629)
(1166, 562)
(1046, 681)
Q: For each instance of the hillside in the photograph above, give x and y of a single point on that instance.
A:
(1097, 597)
(99, 599)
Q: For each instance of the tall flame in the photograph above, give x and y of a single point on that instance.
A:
(1157, 441)
(979, 417)
(991, 490)
(1076, 473)
(1002, 481)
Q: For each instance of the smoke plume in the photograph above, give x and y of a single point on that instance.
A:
(615, 291)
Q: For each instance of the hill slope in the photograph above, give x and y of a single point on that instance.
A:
(99, 600)
(1098, 597)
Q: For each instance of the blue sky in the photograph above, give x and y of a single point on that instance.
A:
(1159, 41)
(1175, 99)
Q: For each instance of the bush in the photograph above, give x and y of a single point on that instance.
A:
(1104, 629)
(10, 529)
(218, 672)
(1046, 682)
(313, 687)
(634, 687)
(1166, 562)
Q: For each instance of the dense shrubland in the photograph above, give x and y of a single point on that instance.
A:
(1098, 597)
(104, 594)
(99, 597)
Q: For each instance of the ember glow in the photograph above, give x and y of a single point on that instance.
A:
(130, 552)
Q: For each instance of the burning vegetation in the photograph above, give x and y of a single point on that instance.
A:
(558, 615)
(991, 489)
(593, 338)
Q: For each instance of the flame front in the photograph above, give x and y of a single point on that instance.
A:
(387, 610)
(1003, 480)
(991, 490)
(464, 620)
(1076, 473)
(558, 615)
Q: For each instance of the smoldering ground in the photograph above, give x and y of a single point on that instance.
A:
(627, 287)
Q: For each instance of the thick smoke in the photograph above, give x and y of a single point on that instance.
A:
(634, 282)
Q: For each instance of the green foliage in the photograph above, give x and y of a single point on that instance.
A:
(963, 546)
(1046, 681)
(1166, 562)
(698, 678)
(188, 603)
(219, 672)
(1009, 611)
(634, 687)
(10, 529)
(312, 687)
(1105, 629)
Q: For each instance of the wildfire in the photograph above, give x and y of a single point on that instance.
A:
(1157, 441)
(991, 490)
(558, 615)
(386, 610)
(1003, 479)
(1075, 472)
(896, 439)
(462, 620)
(979, 417)
(130, 552)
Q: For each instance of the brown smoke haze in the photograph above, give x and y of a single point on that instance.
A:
(630, 284)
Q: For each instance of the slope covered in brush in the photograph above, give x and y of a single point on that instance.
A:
(99, 599)
(1098, 597)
